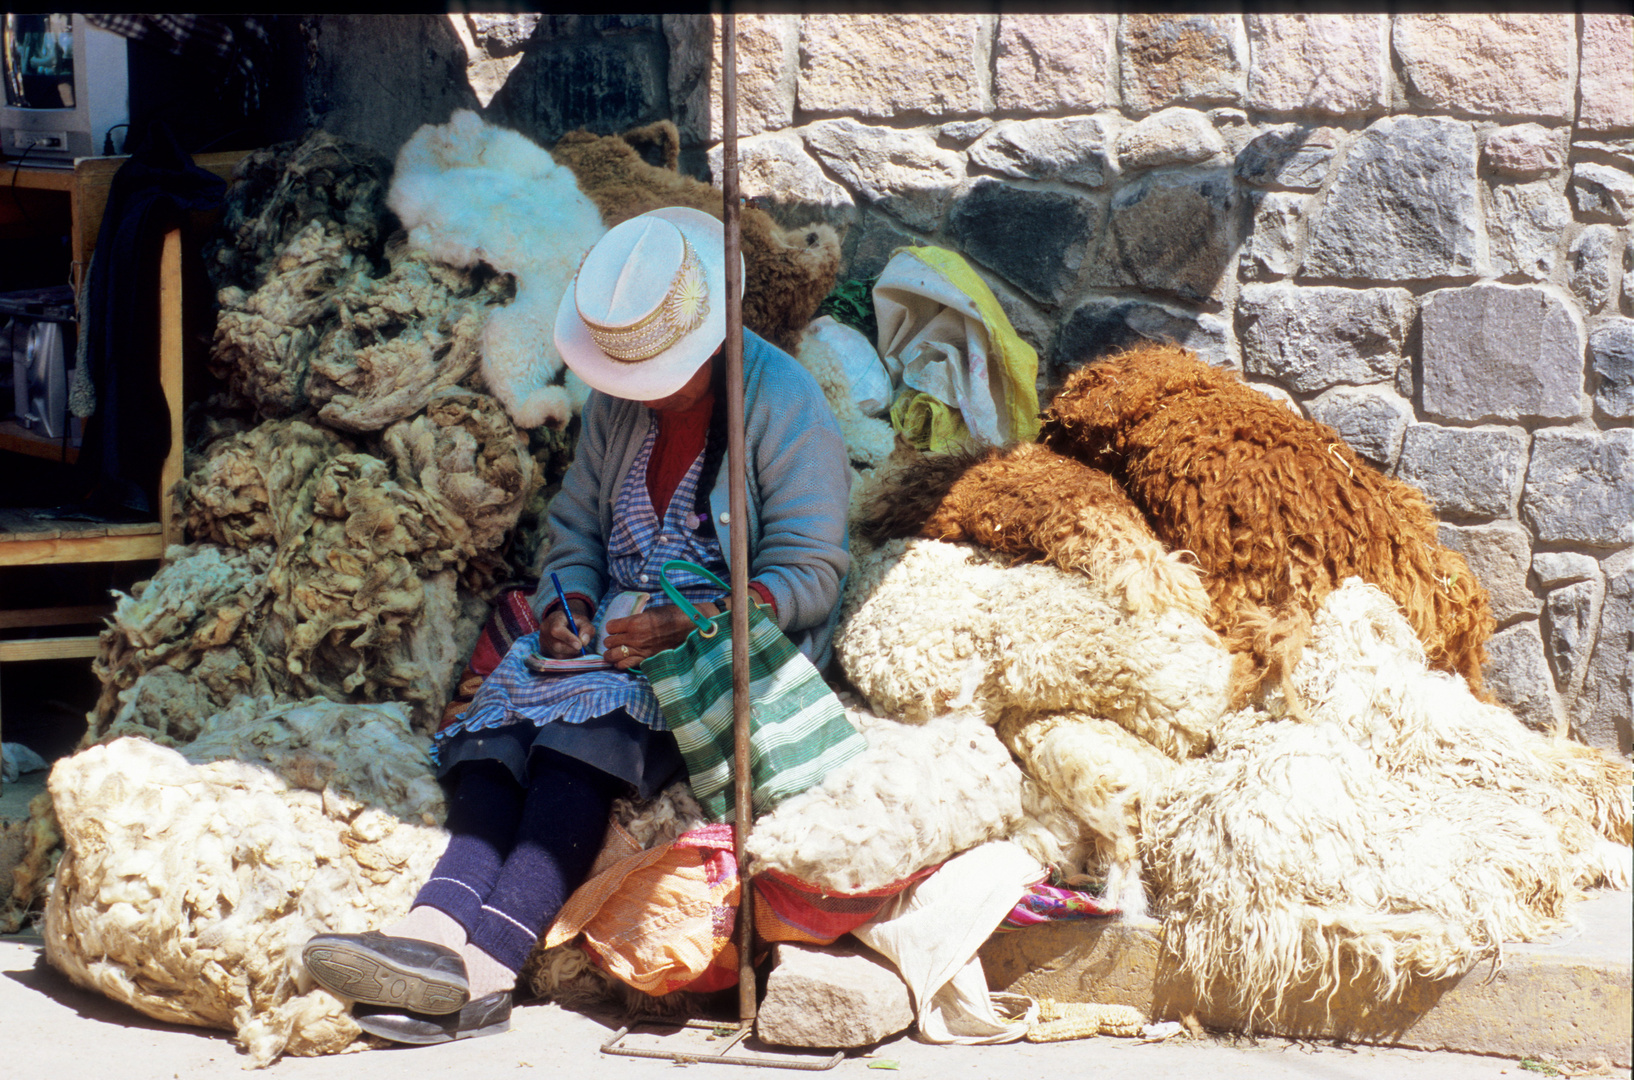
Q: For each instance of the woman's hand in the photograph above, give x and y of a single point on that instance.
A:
(557, 641)
(632, 640)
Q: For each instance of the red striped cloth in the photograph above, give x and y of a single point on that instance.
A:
(790, 910)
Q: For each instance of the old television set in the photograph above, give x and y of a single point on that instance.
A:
(66, 88)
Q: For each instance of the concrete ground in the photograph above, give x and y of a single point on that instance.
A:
(52, 1029)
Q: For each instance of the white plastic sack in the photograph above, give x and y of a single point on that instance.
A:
(931, 932)
(16, 759)
(870, 385)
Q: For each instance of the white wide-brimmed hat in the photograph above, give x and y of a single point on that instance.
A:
(648, 305)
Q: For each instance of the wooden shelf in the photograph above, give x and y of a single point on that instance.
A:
(20, 440)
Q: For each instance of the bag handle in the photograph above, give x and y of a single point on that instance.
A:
(706, 628)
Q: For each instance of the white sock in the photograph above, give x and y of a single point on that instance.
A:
(485, 974)
(429, 924)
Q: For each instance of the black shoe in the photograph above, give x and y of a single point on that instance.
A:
(375, 969)
(485, 1016)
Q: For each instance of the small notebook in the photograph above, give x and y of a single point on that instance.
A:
(623, 606)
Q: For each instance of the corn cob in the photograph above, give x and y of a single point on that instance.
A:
(1062, 1020)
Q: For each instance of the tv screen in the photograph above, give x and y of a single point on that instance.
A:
(39, 61)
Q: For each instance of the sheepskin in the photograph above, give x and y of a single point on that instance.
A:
(1405, 831)
(917, 796)
(1034, 504)
(929, 627)
(1101, 774)
(1276, 508)
(395, 340)
(191, 879)
(787, 272)
(472, 193)
(1365, 671)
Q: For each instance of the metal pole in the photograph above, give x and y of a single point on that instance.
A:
(738, 500)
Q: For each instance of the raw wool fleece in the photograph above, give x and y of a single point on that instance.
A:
(919, 795)
(377, 565)
(472, 193)
(1276, 508)
(42, 847)
(1102, 775)
(929, 627)
(1036, 505)
(1406, 832)
(787, 272)
(191, 879)
(318, 307)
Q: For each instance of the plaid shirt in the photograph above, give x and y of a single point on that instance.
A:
(231, 43)
(640, 545)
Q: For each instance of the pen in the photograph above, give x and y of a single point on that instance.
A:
(571, 625)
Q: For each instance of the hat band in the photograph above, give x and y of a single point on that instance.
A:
(682, 311)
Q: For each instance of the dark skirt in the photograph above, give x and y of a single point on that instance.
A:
(617, 744)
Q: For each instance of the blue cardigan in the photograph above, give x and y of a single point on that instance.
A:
(798, 480)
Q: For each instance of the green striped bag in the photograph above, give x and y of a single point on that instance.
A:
(798, 732)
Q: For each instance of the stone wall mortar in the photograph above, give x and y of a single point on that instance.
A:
(1221, 181)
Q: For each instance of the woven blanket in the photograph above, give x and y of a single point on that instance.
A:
(787, 909)
(1051, 903)
(511, 619)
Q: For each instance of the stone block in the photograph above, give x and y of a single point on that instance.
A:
(1592, 262)
(1054, 63)
(1628, 273)
(1517, 674)
(903, 172)
(1604, 713)
(1170, 137)
(1498, 555)
(1580, 488)
(1314, 338)
(1524, 225)
(1605, 76)
(831, 997)
(607, 84)
(880, 66)
(963, 132)
(1034, 239)
(1102, 325)
(1403, 207)
(1506, 351)
(775, 168)
(1290, 156)
(499, 35)
(1334, 64)
(1570, 614)
(493, 48)
(1611, 354)
(1564, 567)
(1600, 191)
(869, 243)
(1071, 149)
(1621, 149)
(1271, 248)
(1182, 59)
(1371, 421)
(1527, 151)
(768, 71)
(1490, 65)
(1465, 471)
(1174, 234)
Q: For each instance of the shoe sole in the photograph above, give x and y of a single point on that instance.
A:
(439, 1037)
(364, 975)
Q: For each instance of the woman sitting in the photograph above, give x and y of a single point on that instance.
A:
(534, 764)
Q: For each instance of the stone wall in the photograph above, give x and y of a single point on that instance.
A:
(1415, 228)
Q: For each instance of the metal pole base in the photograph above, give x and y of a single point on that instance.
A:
(723, 1056)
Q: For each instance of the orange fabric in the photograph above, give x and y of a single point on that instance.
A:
(662, 919)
